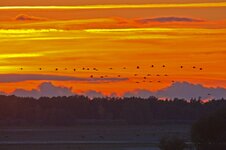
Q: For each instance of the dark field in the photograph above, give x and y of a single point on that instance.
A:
(87, 137)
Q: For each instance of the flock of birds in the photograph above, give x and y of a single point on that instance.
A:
(124, 68)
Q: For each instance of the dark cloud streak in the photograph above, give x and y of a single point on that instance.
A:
(167, 20)
(10, 78)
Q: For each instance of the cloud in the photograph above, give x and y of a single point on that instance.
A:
(93, 94)
(187, 90)
(24, 17)
(8, 78)
(46, 89)
(139, 93)
(181, 90)
(168, 20)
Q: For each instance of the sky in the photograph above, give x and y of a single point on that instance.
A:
(112, 46)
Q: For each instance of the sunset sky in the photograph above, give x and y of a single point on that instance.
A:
(110, 35)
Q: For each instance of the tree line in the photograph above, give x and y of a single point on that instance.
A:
(70, 110)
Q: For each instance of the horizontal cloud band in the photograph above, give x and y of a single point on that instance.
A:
(119, 6)
(9, 78)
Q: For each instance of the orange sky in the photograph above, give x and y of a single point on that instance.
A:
(114, 38)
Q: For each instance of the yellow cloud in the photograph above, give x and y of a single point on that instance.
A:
(22, 55)
(118, 6)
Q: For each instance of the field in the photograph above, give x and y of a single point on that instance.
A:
(119, 137)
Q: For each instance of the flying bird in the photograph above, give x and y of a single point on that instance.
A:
(200, 68)
(138, 67)
(181, 67)
(163, 66)
(152, 66)
(91, 76)
(193, 67)
(56, 69)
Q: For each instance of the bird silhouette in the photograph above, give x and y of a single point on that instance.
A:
(158, 75)
(40, 68)
(91, 76)
(193, 67)
(110, 68)
(135, 74)
(148, 74)
(138, 67)
(152, 66)
(74, 69)
(145, 77)
(101, 76)
(163, 66)
(124, 67)
(200, 69)
(137, 82)
(166, 75)
(119, 75)
(56, 69)
(21, 68)
(181, 67)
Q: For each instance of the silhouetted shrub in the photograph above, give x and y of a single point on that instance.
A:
(172, 143)
(209, 133)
